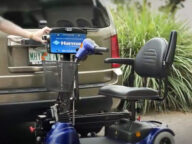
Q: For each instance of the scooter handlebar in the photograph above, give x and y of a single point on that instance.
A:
(89, 47)
(100, 49)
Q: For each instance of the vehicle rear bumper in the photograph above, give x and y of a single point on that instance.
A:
(33, 100)
(25, 95)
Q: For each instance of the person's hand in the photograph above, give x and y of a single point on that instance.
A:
(37, 35)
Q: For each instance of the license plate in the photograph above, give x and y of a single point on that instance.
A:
(36, 55)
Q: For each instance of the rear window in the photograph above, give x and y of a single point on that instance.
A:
(57, 13)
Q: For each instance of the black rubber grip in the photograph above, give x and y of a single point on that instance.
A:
(128, 61)
(45, 37)
(100, 49)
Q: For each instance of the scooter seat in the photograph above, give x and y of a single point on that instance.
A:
(129, 93)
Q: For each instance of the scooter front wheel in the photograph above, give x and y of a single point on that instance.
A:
(164, 138)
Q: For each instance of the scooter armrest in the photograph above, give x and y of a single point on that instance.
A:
(127, 61)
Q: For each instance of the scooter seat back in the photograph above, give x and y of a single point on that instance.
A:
(149, 60)
(156, 56)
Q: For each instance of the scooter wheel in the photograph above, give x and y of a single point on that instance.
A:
(164, 138)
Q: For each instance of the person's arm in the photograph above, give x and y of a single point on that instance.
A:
(11, 28)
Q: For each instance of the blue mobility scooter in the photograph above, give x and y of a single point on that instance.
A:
(60, 124)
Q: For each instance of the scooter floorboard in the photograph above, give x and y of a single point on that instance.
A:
(100, 140)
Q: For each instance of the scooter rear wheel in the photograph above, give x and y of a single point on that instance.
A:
(164, 138)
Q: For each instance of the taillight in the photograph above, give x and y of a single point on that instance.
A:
(114, 50)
